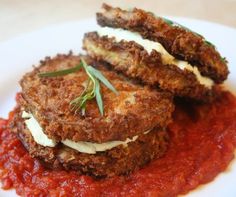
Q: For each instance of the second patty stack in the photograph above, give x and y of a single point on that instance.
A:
(157, 51)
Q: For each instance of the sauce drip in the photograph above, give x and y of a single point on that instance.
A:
(202, 143)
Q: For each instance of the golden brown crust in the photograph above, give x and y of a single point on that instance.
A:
(133, 60)
(136, 109)
(117, 161)
(177, 41)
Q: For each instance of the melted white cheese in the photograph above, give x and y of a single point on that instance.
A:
(121, 34)
(92, 148)
(37, 131)
(84, 147)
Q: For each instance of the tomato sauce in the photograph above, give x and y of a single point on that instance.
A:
(202, 143)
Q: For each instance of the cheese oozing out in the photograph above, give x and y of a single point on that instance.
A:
(37, 131)
(92, 148)
(121, 34)
(84, 147)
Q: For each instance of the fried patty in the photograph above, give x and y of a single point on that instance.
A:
(116, 161)
(178, 41)
(133, 60)
(135, 110)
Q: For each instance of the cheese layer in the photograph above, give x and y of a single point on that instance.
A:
(37, 131)
(121, 34)
(84, 147)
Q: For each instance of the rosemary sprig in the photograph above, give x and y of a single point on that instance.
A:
(80, 102)
(173, 23)
(223, 59)
(92, 89)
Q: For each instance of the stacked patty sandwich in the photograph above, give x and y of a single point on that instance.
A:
(157, 51)
(106, 113)
(129, 133)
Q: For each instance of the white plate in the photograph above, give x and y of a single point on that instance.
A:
(19, 54)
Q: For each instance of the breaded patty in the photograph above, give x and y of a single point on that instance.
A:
(116, 161)
(134, 61)
(135, 110)
(178, 41)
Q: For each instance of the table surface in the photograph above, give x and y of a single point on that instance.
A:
(20, 16)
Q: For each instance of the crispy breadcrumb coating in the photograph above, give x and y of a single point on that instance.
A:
(135, 110)
(178, 41)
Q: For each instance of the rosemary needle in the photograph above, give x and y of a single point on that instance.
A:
(61, 72)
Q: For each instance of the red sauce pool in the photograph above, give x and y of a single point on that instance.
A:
(203, 139)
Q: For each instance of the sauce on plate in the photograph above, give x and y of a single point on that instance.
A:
(202, 143)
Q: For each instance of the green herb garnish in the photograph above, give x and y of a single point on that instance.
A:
(61, 72)
(210, 44)
(92, 89)
(168, 21)
(173, 23)
(223, 59)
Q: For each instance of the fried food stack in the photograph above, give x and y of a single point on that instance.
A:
(149, 60)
